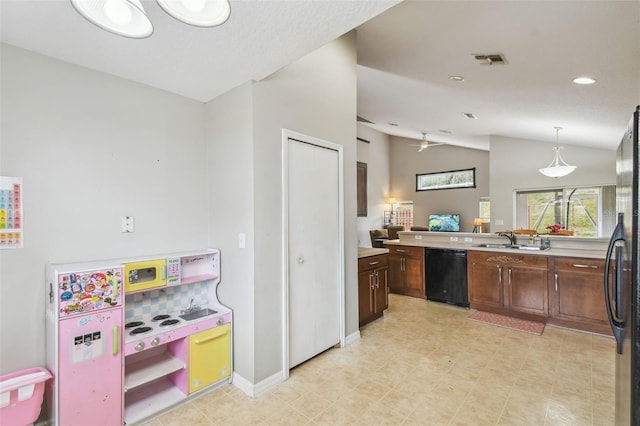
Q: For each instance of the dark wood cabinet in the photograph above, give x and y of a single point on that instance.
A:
(505, 282)
(576, 294)
(406, 270)
(372, 287)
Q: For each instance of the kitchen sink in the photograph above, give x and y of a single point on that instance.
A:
(197, 314)
(496, 245)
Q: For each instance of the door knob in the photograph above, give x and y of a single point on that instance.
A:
(300, 259)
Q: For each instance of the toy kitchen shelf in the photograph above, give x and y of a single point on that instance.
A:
(149, 369)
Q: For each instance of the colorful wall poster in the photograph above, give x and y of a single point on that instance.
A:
(11, 230)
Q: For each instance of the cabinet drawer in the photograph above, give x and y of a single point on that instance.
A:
(372, 262)
(578, 264)
(509, 259)
(406, 250)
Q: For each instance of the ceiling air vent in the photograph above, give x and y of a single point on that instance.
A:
(490, 59)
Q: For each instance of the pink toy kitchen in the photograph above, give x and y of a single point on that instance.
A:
(131, 338)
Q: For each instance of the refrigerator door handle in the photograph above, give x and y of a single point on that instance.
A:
(617, 323)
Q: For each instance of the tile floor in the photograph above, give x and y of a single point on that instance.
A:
(425, 363)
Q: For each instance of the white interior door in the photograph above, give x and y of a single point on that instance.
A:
(314, 240)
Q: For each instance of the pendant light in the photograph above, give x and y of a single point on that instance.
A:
(201, 13)
(558, 166)
(123, 17)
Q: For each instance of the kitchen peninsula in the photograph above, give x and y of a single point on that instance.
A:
(562, 285)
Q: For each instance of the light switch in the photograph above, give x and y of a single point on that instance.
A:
(242, 240)
(128, 224)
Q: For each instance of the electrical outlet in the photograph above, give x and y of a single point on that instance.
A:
(128, 224)
(418, 237)
(453, 238)
(468, 239)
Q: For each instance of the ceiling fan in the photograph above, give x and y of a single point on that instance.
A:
(425, 143)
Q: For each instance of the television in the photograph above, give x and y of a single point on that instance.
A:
(449, 222)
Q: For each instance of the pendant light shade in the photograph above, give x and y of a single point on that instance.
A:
(123, 17)
(558, 166)
(201, 13)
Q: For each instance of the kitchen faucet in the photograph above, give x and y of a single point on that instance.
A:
(191, 308)
(510, 235)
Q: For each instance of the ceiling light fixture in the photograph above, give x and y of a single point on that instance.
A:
(456, 78)
(128, 18)
(583, 80)
(558, 166)
(201, 13)
(123, 17)
(470, 115)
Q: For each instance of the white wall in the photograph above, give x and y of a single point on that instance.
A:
(376, 154)
(515, 162)
(315, 96)
(90, 148)
(230, 164)
(406, 162)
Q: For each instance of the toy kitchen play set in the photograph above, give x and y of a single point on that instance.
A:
(129, 338)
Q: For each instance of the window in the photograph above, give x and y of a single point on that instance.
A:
(586, 211)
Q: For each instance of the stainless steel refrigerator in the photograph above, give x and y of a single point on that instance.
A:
(622, 278)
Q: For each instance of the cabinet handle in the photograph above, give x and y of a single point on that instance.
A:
(377, 280)
(373, 263)
(400, 251)
(500, 275)
(114, 331)
(555, 280)
(509, 276)
(371, 284)
(212, 337)
(580, 265)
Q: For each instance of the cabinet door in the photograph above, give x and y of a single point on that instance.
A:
(91, 369)
(209, 357)
(396, 273)
(365, 292)
(380, 279)
(526, 289)
(577, 290)
(485, 285)
(414, 276)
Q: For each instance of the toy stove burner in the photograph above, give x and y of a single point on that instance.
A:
(160, 317)
(140, 330)
(168, 322)
(133, 324)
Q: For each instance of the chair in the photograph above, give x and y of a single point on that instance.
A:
(393, 231)
(378, 236)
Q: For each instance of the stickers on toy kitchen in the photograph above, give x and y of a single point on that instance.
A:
(87, 291)
(87, 346)
(11, 231)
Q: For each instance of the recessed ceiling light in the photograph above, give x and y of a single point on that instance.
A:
(583, 80)
(470, 115)
(456, 78)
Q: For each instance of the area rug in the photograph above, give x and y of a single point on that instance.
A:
(532, 327)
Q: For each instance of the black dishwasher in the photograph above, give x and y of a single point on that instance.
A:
(446, 276)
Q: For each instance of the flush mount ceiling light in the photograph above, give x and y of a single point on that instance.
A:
(456, 78)
(583, 80)
(123, 17)
(201, 13)
(558, 166)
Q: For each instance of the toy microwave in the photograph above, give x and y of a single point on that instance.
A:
(145, 275)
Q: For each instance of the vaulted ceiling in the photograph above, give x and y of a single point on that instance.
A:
(406, 54)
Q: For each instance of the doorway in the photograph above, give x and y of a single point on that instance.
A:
(313, 225)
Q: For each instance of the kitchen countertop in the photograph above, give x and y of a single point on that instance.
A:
(589, 251)
(368, 251)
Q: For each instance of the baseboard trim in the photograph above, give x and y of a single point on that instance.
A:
(254, 390)
(352, 338)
